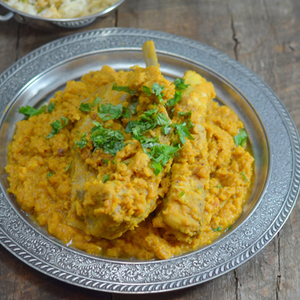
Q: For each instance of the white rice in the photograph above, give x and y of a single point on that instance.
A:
(61, 9)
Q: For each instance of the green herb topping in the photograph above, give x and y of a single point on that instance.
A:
(217, 229)
(180, 85)
(182, 194)
(68, 167)
(105, 178)
(96, 101)
(29, 111)
(82, 143)
(57, 126)
(183, 132)
(85, 107)
(51, 107)
(241, 138)
(49, 174)
(112, 141)
(175, 99)
(244, 176)
(125, 89)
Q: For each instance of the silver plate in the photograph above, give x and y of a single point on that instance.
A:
(273, 136)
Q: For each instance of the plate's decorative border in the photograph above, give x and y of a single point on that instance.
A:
(280, 195)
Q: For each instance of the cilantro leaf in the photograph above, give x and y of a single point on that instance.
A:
(241, 138)
(217, 229)
(85, 107)
(51, 107)
(49, 174)
(125, 89)
(159, 154)
(175, 99)
(183, 132)
(68, 167)
(132, 107)
(180, 85)
(157, 90)
(157, 166)
(126, 113)
(105, 160)
(146, 123)
(147, 90)
(162, 119)
(96, 101)
(166, 129)
(112, 141)
(29, 111)
(110, 112)
(57, 126)
(182, 114)
(105, 178)
(82, 143)
(182, 194)
(244, 176)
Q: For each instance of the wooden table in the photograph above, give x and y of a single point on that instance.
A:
(264, 35)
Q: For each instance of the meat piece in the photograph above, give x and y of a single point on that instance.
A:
(181, 214)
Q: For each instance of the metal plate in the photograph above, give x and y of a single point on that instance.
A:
(273, 136)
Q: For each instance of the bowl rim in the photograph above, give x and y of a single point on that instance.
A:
(65, 20)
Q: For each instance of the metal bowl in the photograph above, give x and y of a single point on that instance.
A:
(50, 24)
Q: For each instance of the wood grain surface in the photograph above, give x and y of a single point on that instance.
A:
(264, 35)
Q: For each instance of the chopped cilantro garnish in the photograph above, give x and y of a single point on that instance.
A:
(182, 114)
(180, 85)
(105, 160)
(183, 132)
(157, 167)
(218, 186)
(157, 90)
(49, 174)
(244, 176)
(105, 178)
(160, 154)
(241, 138)
(109, 112)
(125, 89)
(132, 107)
(85, 107)
(126, 113)
(57, 126)
(29, 111)
(68, 167)
(162, 119)
(230, 227)
(182, 194)
(175, 99)
(96, 101)
(217, 229)
(51, 107)
(166, 129)
(147, 90)
(112, 141)
(82, 143)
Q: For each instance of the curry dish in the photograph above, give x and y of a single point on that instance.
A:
(131, 165)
